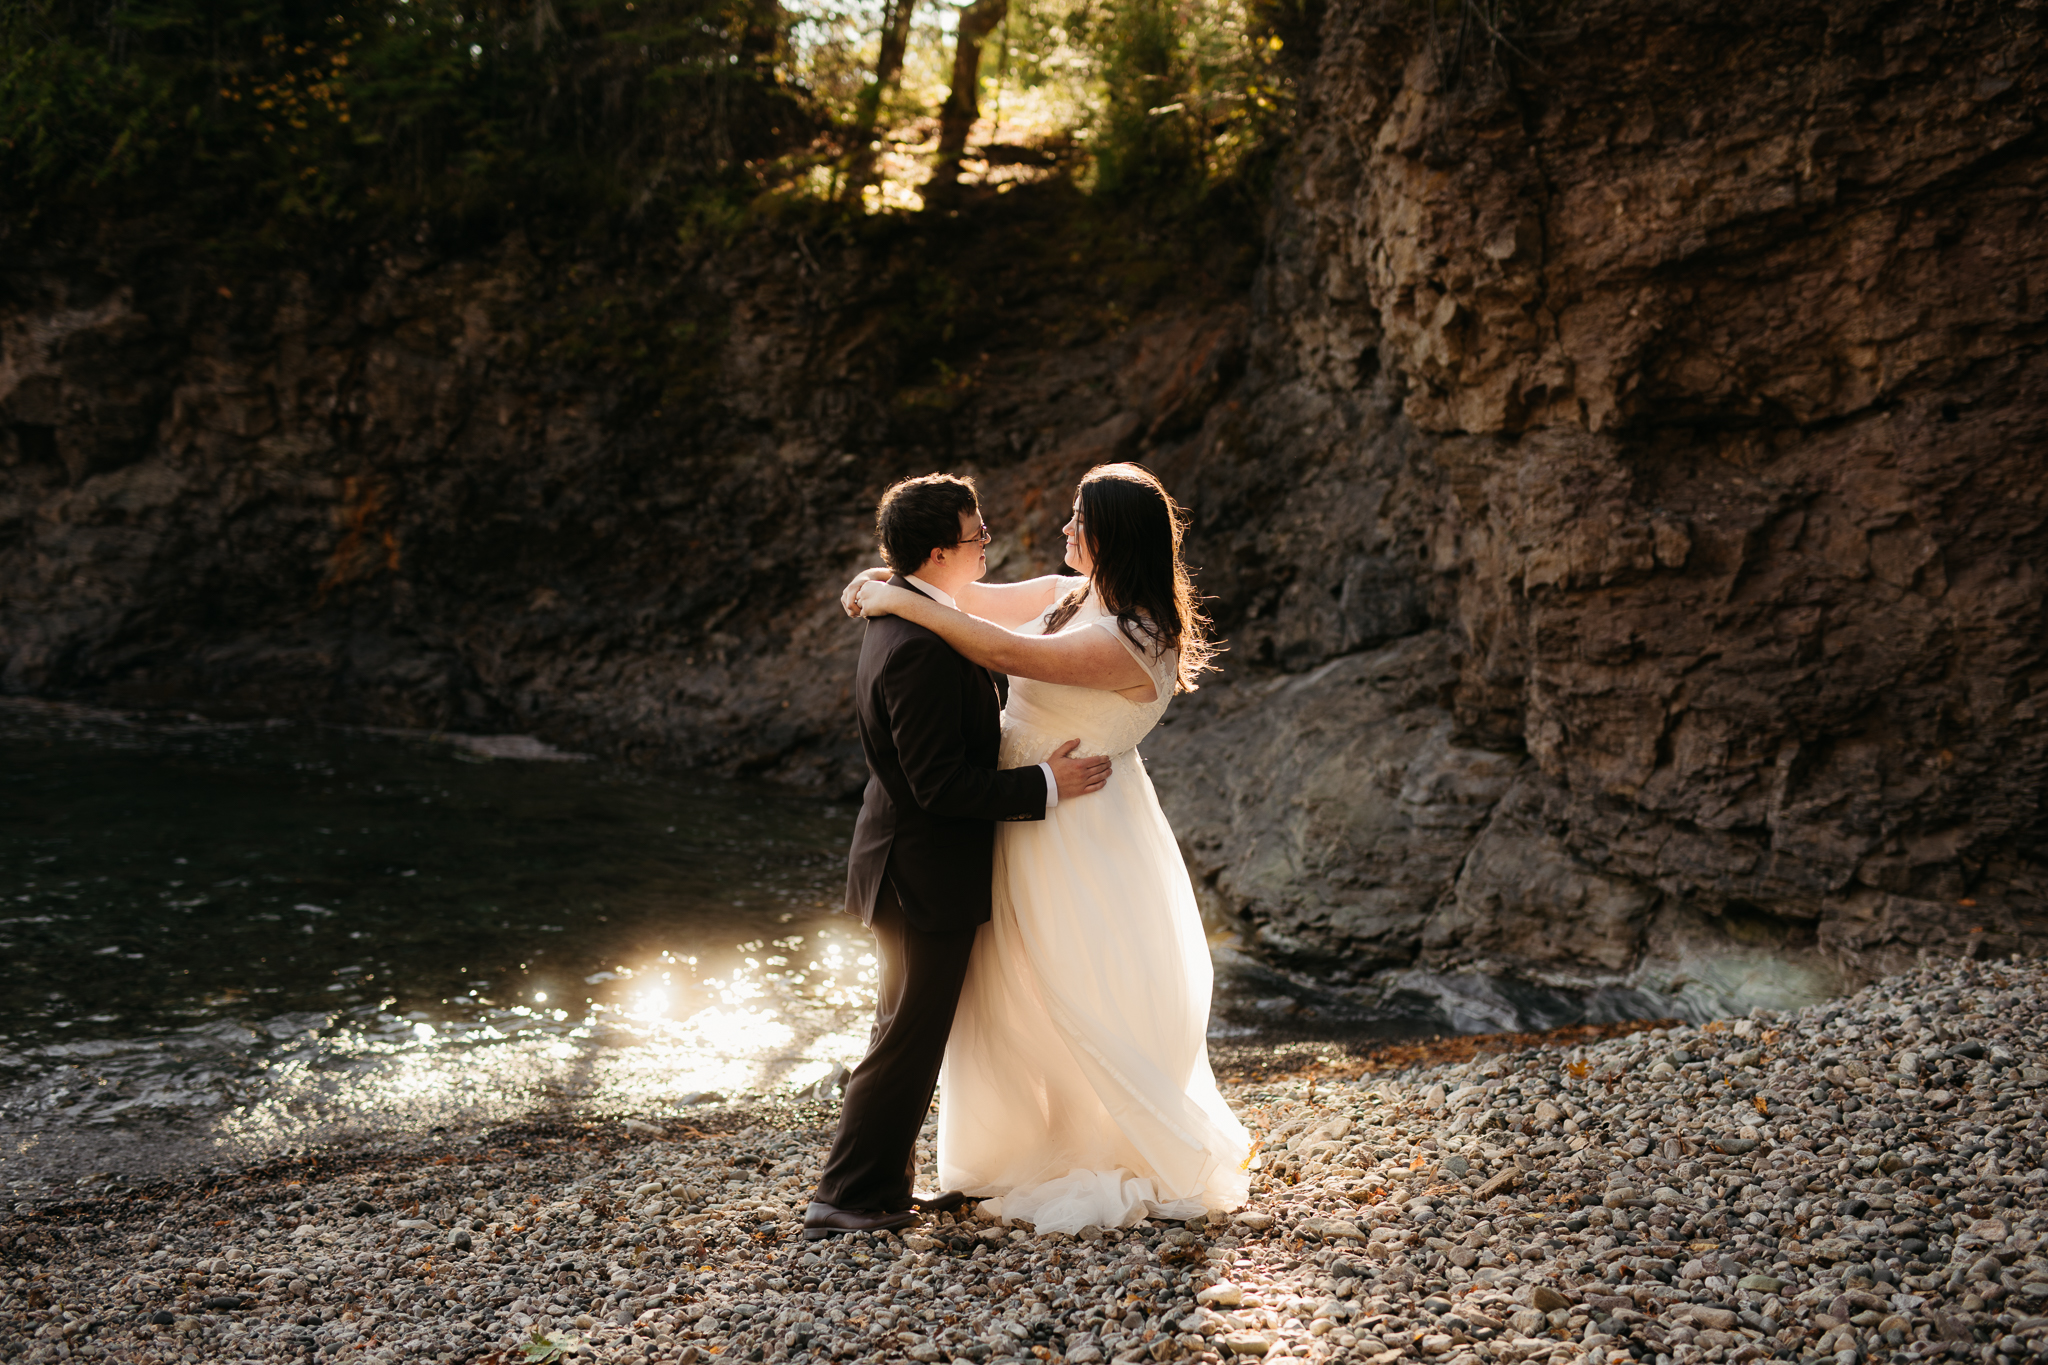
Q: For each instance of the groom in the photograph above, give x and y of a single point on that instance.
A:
(923, 858)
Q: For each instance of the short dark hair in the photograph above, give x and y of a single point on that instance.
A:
(917, 516)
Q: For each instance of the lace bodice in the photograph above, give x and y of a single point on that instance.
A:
(1042, 716)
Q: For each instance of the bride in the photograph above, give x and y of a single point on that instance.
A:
(1076, 1088)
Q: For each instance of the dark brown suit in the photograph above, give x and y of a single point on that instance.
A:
(920, 874)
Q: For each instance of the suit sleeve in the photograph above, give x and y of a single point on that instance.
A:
(921, 687)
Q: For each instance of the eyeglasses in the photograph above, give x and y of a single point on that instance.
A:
(984, 538)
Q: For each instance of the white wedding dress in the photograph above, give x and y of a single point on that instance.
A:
(1076, 1088)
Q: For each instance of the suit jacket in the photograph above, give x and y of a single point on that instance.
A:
(930, 724)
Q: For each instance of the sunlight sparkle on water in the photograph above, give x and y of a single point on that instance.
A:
(649, 1007)
(253, 935)
(638, 1048)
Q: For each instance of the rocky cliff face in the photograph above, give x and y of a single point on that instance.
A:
(1619, 480)
(1724, 338)
(599, 493)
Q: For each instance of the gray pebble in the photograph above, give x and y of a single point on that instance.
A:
(1778, 1186)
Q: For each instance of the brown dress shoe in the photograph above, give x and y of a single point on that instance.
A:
(822, 1221)
(940, 1203)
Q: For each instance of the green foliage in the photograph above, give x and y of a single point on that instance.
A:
(268, 117)
(548, 1348)
(71, 113)
(1169, 98)
(1190, 93)
(296, 122)
(1146, 137)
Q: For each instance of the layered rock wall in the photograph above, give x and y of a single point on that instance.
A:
(1619, 483)
(1723, 333)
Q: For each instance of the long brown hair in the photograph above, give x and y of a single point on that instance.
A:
(1133, 530)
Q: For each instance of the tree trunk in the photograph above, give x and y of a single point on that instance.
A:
(762, 38)
(963, 104)
(868, 112)
(544, 19)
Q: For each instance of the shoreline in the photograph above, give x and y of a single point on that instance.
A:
(1862, 1179)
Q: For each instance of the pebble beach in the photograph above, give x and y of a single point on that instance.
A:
(1856, 1181)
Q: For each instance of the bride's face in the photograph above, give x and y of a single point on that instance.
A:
(1078, 558)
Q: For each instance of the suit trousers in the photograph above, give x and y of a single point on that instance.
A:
(873, 1164)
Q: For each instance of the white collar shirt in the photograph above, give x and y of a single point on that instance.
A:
(943, 598)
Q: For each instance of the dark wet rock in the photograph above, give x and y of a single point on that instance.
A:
(1349, 783)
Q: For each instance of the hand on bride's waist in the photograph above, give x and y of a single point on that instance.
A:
(1024, 743)
(1038, 735)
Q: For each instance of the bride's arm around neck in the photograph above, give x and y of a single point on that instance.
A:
(1077, 658)
(1006, 604)
(1013, 604)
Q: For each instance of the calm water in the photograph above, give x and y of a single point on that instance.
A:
(242, 937)
(228, 940)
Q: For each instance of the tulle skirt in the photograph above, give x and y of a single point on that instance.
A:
(1076, 1088)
